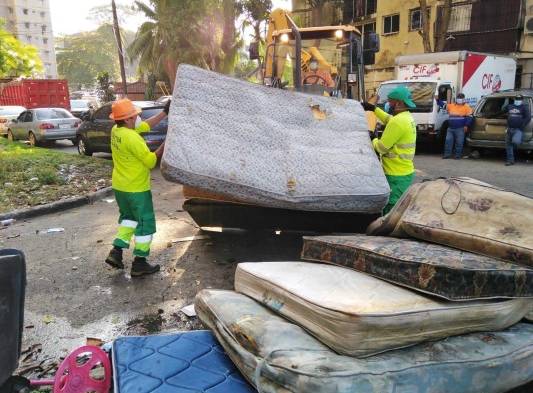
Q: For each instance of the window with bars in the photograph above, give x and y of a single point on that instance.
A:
(460, 18)
(415, 19)
(370, 7)
(391, 24)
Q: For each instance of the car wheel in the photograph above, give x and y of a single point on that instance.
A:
(32, 139)
(82, 147)
(10, 136)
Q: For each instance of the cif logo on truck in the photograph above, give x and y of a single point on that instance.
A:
(425, 70)
(491, 81)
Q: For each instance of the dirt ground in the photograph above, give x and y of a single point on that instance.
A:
(72, 294)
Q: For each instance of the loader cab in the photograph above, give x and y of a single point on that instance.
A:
(326, 60)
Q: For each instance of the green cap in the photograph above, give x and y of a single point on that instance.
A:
(402, 93)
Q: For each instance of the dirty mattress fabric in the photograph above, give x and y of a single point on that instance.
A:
(279, 356)
(442, 271)
(466, 214)
(271, 147)
(189, 362)
(359, 315)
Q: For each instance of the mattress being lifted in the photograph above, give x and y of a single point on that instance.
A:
(271, 147)
(278, 356)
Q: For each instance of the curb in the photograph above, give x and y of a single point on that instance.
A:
(55, 207)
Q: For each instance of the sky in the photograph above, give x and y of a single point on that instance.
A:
(69, 17)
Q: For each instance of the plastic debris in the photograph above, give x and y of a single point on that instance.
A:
(189, 310)
(48, 319)
(7, 222)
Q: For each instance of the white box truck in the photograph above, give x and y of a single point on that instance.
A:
(443, 75)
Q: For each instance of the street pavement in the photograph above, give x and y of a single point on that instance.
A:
(72, 294)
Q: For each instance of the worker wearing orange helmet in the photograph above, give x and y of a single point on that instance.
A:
(132, 163)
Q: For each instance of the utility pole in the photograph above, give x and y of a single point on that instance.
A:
(119, 44)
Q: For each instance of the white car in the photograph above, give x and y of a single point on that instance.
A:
(8, 113)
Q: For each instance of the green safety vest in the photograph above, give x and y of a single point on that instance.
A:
(132, 160)
(397, 144)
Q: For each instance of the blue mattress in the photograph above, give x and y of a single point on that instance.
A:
(185, 362)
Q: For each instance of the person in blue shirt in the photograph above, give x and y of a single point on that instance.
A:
(518, 116)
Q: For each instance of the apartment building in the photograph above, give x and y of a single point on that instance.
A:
(30, 21)
(492, 26)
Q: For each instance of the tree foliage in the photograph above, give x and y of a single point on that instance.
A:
(87, 54)
(104, 88)
(16, 58)
(198, 32)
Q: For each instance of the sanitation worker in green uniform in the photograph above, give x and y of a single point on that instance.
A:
(397, 144)
(132, 163)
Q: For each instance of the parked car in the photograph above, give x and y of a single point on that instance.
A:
(80, 107)
(163, 99)
(8, 113)
(94, 134)
(43, 124)
(490, 121)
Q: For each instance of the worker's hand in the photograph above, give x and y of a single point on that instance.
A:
(465, 129)
(167, 106)
(367, 106)
(159, 152)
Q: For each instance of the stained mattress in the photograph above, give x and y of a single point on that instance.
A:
(190, 362)
(442, 271)
(279, 356)
(466, 214)
(269, 146)
(359, 315)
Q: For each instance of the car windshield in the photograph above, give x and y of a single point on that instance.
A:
(423, 93)
(163, 124)
(52, 113)
(79, 104)
(11, 111)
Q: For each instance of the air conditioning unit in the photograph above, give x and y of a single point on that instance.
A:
(528, 22)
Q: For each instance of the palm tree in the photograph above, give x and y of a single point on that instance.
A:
(198, 32)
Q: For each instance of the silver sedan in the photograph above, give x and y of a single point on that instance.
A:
(43, 124)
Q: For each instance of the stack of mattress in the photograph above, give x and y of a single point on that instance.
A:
(385, 314)
(271, 147)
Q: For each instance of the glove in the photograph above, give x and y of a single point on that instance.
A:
(167, 106)
(373, 135)
(367, 106)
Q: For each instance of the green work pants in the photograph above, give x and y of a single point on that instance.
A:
(398, 185)
(136, 218)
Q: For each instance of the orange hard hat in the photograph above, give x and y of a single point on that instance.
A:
(123, 109)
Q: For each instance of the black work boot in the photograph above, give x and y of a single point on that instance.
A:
(140, 267)
(114, 259)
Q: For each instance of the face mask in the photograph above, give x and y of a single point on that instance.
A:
(518, 102)
(460, 101)
(313, 66)
(137, 122)
(389, 108)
